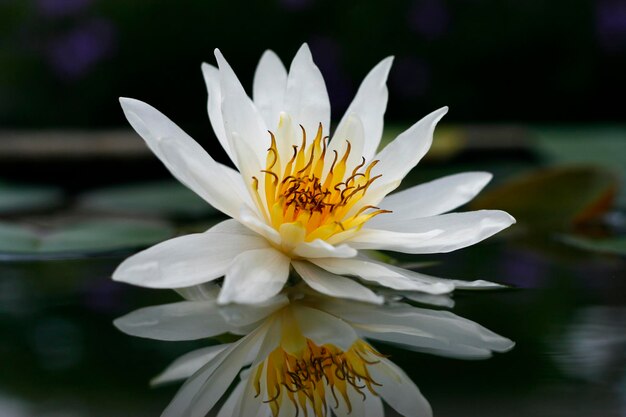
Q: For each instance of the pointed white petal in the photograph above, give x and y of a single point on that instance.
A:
(199, 394)
(351, 130)
(255, 276)
(186, 320)
(369, 105)
(241, 117)
(189, 260)
(430, 199)
(334, 285)
(183, 157)
(437, 234)
(188, 364)
(321, 249)
(306, 99)
(398, 390)
(214, 107)
(324, 328)
(268, 88)
(380, 273)
(401, 155)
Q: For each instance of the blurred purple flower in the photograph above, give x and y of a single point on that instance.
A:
(525, 269)
(296, 5)
(327, 54)
(429, 18)
(61, 8)
(75, 53)
(410, 77)
(611, 24)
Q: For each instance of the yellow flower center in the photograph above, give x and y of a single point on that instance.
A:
(317, 202)
(305, 378)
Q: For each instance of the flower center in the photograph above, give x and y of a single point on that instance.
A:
(317, 192)
(305, 379)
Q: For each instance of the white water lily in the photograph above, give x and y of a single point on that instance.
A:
(303, 352)
(299, 200)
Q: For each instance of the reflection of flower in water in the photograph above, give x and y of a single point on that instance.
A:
(594, 347)
(300, 200)
(304, 353)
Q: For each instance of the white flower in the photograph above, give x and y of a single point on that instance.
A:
(300, 200)
(303, 352)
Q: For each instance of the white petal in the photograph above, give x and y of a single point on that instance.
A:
(238, 315)
(188, 364)
(321, 249)
(334, 285)
(433, 300)
(380, 273)
(201, 292)
(398, 390)
(214, 107)
(232, 405)
(253, 221)
(437, 234)
(306, 99)
(268, 88)
(242, 117)
(255, 276)
(369, 105)
(200, 393)
(400, 156)
(351, 130)
(373, 406)
(183, 157)
(430, 199)
(438, 332)
(189, 260)
(324, 328)
(186, 320)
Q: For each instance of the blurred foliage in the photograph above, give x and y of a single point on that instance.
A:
(615, 245)
(78, 239)
(162, 198)
(604, 147)
(64, 63)
(20, 198)
(554, 198)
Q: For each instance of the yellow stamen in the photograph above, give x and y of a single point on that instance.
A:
(299, 191)
(305, 376)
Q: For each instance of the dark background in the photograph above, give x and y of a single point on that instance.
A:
(63, 63)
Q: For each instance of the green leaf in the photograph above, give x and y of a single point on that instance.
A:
(553, 198)
(602, 146)
(163, 198)
(85, 237)
(612, 245)
(18, 199)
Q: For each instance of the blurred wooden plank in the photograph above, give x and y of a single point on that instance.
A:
(71, 144)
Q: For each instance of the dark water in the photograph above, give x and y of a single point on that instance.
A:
(60, 355)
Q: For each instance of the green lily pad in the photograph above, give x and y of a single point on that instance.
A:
(163, 198)
(554, 198)
(612, 245)
(76, 239)
(602, 146)
(24, 198)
